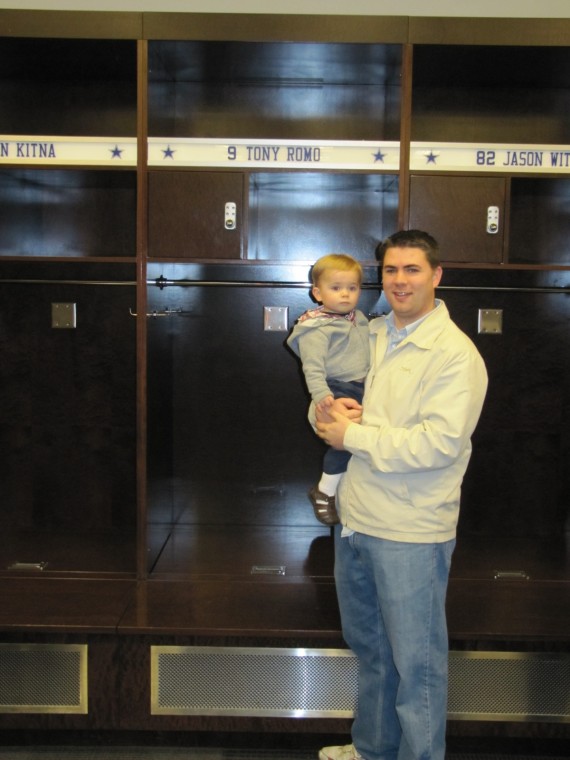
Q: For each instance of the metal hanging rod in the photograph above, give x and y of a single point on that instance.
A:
(67, 282)
(161, 282)
(161, 313)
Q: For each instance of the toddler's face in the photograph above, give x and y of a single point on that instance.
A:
(338, 291)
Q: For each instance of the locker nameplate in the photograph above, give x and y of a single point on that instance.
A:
(275, 154)
(488, 157)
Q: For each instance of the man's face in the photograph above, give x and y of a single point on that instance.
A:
(409, 283)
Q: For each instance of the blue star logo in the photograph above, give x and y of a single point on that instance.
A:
(431, 157)
(379, 156)
(168, 153)
(116, 152)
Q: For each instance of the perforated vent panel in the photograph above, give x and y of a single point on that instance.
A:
(509, 686)
(43, 678)
(253, 681)
(503, 686)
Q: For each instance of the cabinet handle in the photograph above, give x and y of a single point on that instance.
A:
(230, 216)
(493, 220)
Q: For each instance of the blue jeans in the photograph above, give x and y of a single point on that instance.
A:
(392, 602)
(335, 461)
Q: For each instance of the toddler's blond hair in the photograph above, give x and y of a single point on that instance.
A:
(342, 262)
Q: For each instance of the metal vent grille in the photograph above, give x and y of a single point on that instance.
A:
(43, 678)
(511, 686)
(501, 686)
(253, 681)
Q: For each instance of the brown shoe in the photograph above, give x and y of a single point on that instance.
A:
(323, 507)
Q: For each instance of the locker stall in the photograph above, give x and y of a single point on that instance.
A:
(166, 182)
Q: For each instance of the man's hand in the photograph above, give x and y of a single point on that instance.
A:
(332, 424)
(347, 407)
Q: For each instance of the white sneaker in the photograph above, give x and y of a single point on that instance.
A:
(348, 752)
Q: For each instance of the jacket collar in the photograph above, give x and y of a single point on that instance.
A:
(426, 332)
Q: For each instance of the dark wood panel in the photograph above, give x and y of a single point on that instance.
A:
(518, 475)
(486, 94)
(68, 549)
(243, 453)
(68, 24)
(67, 213)
(187, 213)
(44, 605)
(272, 608)
(454, 210)
(540, 223)
(287, 90)
(511, 610)
(68, 87)
(300, 216)
(538, 558)
(67, 426)
(262, 27)
(491, 115)
(230, 551)
(188, 599)
(489, 31)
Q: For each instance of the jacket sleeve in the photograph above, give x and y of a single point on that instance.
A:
(313, 346)
(451, 402)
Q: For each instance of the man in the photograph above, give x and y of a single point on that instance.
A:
(399, 505)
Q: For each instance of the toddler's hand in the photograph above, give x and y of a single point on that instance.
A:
(325, 404)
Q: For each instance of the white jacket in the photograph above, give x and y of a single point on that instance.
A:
(421, 405)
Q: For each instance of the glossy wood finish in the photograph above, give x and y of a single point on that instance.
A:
(71, 24)
(196, 600)
(260, 27)
(539, 225)
(68, 214)
(210, 488)
(62, 605)
(187, 214)
(519, 614)
(274, 90)
(226, 599)
(68, 87)
(254, 553)
(300, 216)
(67, 421)
(222, 448)
(73, 550)
(246, 609)
(483, 94)
(489, 31)
(433, 197)
(218, 585)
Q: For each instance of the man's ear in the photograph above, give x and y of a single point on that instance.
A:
(437, 275)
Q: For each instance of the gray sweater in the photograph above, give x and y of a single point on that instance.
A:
(331, 346)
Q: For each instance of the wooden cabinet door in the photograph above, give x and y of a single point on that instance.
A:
(454, 209)
(187, 215)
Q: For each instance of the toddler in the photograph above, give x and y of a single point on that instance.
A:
(333, 345)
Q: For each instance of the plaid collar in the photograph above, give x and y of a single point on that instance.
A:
(319, 313)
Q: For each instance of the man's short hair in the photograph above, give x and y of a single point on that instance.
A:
(411, 239)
